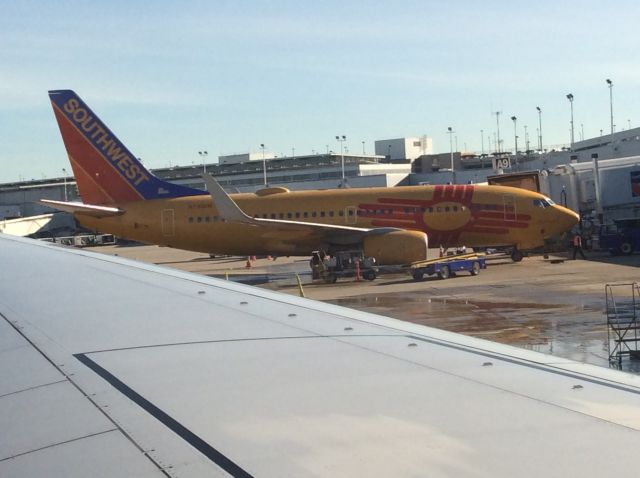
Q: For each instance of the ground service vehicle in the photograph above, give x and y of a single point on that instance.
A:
(342, 264)
(448, 266)
(621, 237)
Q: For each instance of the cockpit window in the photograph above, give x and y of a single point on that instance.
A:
(543, 203)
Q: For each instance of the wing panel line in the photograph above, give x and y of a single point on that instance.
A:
(183, 432)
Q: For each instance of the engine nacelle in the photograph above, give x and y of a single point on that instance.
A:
(396, 247)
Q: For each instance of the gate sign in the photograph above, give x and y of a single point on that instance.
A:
(501, 163)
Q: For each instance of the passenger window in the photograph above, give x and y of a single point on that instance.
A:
(305, 214)
(321, 213)
(281, 215)
(289, 215)
(330, 213)
(350, 212)
(438, 209)
(190, 219)
(446, 208)
(297, 215)
(207, 218)
(273, 216)
(199, 219)
(313, 214)
(264, 216)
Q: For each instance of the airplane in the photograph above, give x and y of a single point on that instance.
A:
(393, 225)
(112, 367)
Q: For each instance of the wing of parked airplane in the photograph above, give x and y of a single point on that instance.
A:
(333, 233)
(112, 367)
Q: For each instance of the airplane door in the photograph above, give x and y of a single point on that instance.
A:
(167, 222)
(351, 214)
(509, 203)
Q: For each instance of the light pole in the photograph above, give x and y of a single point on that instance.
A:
(203, 155)
(363, 153)
(526, 141)
(570, 98)
(610, 83)
(64, 172)
(539, 128)
(341, 140)
(515, 138)
(453, 170)
(497, 113)
(482, 140)
(581, 131)
(264, 165)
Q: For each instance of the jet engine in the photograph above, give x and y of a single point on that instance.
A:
(396, 247)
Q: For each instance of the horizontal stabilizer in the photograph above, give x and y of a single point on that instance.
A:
(81, 208)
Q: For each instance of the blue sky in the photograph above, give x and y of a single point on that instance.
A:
(173, 78)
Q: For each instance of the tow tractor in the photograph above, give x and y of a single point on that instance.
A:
(448, 266)
(342, 264)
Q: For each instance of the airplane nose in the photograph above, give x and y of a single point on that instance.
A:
(566, 219)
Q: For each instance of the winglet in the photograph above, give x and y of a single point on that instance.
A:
(228, 210)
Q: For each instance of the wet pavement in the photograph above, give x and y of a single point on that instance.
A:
(568, 330)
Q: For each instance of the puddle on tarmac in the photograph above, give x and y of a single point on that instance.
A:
(575, 331)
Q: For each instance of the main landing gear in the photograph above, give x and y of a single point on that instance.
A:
(516, 255)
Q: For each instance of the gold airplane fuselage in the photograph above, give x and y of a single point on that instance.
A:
(473, 215)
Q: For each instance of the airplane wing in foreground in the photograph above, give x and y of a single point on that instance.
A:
(111, 367)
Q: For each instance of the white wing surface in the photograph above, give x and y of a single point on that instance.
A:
(110, 367)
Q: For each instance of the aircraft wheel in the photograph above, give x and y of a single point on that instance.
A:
(626, 248)
(516, 255)
(418, 275)
(444, 272)
(475, 269)
(369, 275)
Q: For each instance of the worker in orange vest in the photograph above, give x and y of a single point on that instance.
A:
(577, 245)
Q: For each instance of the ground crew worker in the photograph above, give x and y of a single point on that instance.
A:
(577, 245)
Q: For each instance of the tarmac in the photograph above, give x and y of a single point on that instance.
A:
(551, 305)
